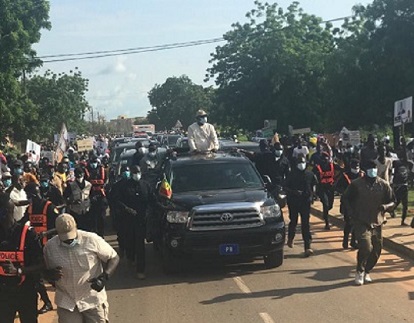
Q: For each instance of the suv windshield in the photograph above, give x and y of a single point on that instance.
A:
(214, 176)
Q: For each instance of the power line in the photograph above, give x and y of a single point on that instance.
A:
(139, 50)
(150, 49)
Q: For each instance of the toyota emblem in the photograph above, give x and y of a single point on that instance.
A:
(226, 217)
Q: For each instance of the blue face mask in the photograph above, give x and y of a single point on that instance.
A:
(44, 184)
(18, 171)
(7, 182)
(72, 244)
(94, 165)
(372, 172)
(126, 174)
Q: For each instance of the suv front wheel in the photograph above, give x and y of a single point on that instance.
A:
(274, 259)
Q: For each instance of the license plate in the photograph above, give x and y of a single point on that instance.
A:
(229, 249)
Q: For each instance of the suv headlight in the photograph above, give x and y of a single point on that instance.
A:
(270, 211)
(177, 216)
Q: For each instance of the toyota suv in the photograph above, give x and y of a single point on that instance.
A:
(219, 208)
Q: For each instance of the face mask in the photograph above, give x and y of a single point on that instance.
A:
(354, 170)
(202, 120)
(152, 153)
(72, 244)
(142, 150)
(7, 182)
(350, 150)
(44, 184)
(18, 171)
(94, 165)
(126, 174)
(301, 166)
(278, 153)
(79, 179)
(372, 172)
(136, 177)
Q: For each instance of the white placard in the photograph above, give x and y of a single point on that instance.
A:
(403, 111)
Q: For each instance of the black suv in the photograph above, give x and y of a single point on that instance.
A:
(220, 207)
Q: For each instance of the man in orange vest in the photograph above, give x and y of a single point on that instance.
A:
(325, 173)
(21, 260)
(344, 181)
(95, 174)
(42, 216)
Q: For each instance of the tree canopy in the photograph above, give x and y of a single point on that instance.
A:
(177, 99)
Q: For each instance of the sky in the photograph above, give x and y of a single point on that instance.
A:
(120, 85)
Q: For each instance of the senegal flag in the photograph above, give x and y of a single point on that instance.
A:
(165, 189)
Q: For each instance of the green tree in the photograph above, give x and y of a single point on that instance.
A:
(20, 24)
(59, 98)
(373, 64)
(273, 67)
(177, 99)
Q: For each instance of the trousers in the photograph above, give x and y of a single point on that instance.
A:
(369, 246)
(300, 207)
(23, 301)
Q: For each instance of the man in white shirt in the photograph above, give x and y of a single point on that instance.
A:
(300, 150)
(18, 197)
(202, 136)
(80, 262)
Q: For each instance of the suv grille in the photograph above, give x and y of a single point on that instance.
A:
(209, 220)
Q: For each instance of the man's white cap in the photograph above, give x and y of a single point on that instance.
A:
(66, 227)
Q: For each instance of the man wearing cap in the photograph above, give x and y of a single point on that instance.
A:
(202, 136)
(366, 200)
(20, 266)
(81, 263)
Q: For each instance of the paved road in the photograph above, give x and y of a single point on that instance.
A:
(316, 289)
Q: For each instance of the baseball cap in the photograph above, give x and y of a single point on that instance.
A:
(66, 227)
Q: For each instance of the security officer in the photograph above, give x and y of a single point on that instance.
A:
(299, 187)
(42, 216)
(21, 260)
(134, 202)
(151, 164)
(77, 197)
(344, 181)
(118, 217)
(325, 173)
(50, 192)
(400, 187)
(95, 174)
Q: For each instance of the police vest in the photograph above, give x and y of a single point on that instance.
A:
(79, 200)
(326, 177)
(39, 221)
(98, 182)
(16, 256)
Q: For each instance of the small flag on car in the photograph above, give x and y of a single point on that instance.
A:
(165, 189)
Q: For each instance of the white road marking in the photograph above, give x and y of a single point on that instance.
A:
(266, 318)
(242, 285)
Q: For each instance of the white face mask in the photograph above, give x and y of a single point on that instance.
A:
(152, 154)
(136, 177)
(355, 170)
(203, 120)
(301, 166)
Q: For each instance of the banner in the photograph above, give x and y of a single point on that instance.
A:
(33, 151)
(403, 111)
(85, 144)
(61, 146)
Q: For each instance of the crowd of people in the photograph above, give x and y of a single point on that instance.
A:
(52, 215)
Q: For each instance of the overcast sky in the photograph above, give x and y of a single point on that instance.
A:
(119, 85)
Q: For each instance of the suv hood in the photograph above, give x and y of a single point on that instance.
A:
(189, 200)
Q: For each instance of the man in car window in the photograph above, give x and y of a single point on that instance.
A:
(202, 136)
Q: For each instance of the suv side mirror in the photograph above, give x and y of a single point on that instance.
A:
(267, 180)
